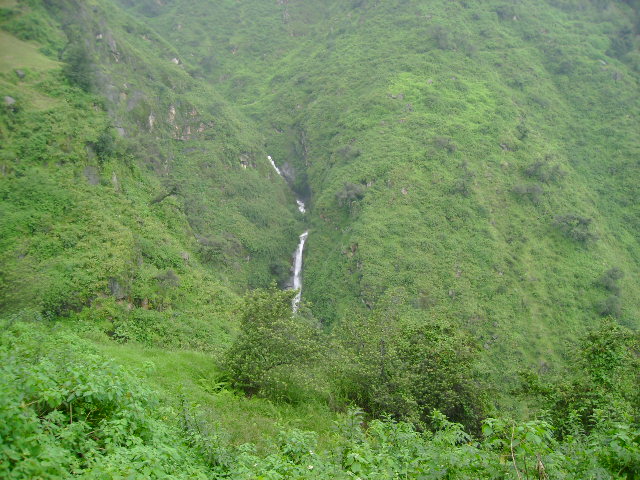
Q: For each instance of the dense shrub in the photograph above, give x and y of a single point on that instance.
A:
(609, 280)
(544, 172)
(272, 345)
(391, 365)
(533, 192)
(610, 306)
(575, 227)
(78, 68)
(66, 411)
(350, 192)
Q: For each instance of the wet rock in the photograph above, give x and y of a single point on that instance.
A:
(116, 289)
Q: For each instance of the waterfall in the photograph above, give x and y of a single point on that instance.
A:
(273, 164)
(297, 256)
(297, 271)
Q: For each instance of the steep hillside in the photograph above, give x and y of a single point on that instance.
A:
(131, 193)
(482, 156)
(470, 282)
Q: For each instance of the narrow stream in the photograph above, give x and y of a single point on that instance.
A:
(297, 256)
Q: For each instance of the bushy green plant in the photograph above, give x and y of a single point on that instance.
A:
(68, 412)
(392, 365)
(272, 344)
(575, 227)
(599, 388)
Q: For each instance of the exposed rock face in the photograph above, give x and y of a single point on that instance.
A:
(116, 289)
(115, 182)
(112, 93)
(113, 47)
(246, 160)
(288, 172)
(91, 174)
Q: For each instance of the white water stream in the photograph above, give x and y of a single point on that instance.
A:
(273, 164)
(297, 271)
(297, 256)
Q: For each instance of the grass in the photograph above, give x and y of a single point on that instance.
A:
(18, 54)
(195, 378)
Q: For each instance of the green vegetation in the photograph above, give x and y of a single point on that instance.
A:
(477, 154)
(471, 281)
(68, 411)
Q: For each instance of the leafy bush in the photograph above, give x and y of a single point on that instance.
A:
(544, 172)
(390, 365)
(599, 390)
(349, 193)
(610, 306)
(575, 227)
(445, 143)
(105, 145)
(533, 192)
(609, 280)
(66, 411)
(272, 344)
(79, 68)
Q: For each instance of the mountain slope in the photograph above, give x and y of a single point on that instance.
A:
(131, 192)
(480, 155)
(470, 172)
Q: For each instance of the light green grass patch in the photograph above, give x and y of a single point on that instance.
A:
(194, 377)
(15, 53)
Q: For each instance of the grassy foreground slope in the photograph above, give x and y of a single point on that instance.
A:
(482, 156)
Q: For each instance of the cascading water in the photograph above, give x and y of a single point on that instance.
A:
(297, 257)
(297, 271)
(273, 164)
